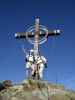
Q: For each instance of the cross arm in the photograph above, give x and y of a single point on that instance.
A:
(22, 35)
(54, 32)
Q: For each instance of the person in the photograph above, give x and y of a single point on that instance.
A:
(30, 63)
(41, 64)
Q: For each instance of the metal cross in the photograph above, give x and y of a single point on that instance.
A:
(36, 35)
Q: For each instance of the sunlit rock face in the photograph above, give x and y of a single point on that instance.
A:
(36, 90)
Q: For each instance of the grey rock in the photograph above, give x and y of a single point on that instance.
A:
(36, 90)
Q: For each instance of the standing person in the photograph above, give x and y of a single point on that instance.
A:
(30, 65)
(41, 64)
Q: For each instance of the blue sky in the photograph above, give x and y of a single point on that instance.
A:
(17, 16)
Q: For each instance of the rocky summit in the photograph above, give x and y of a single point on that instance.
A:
(36, 90)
